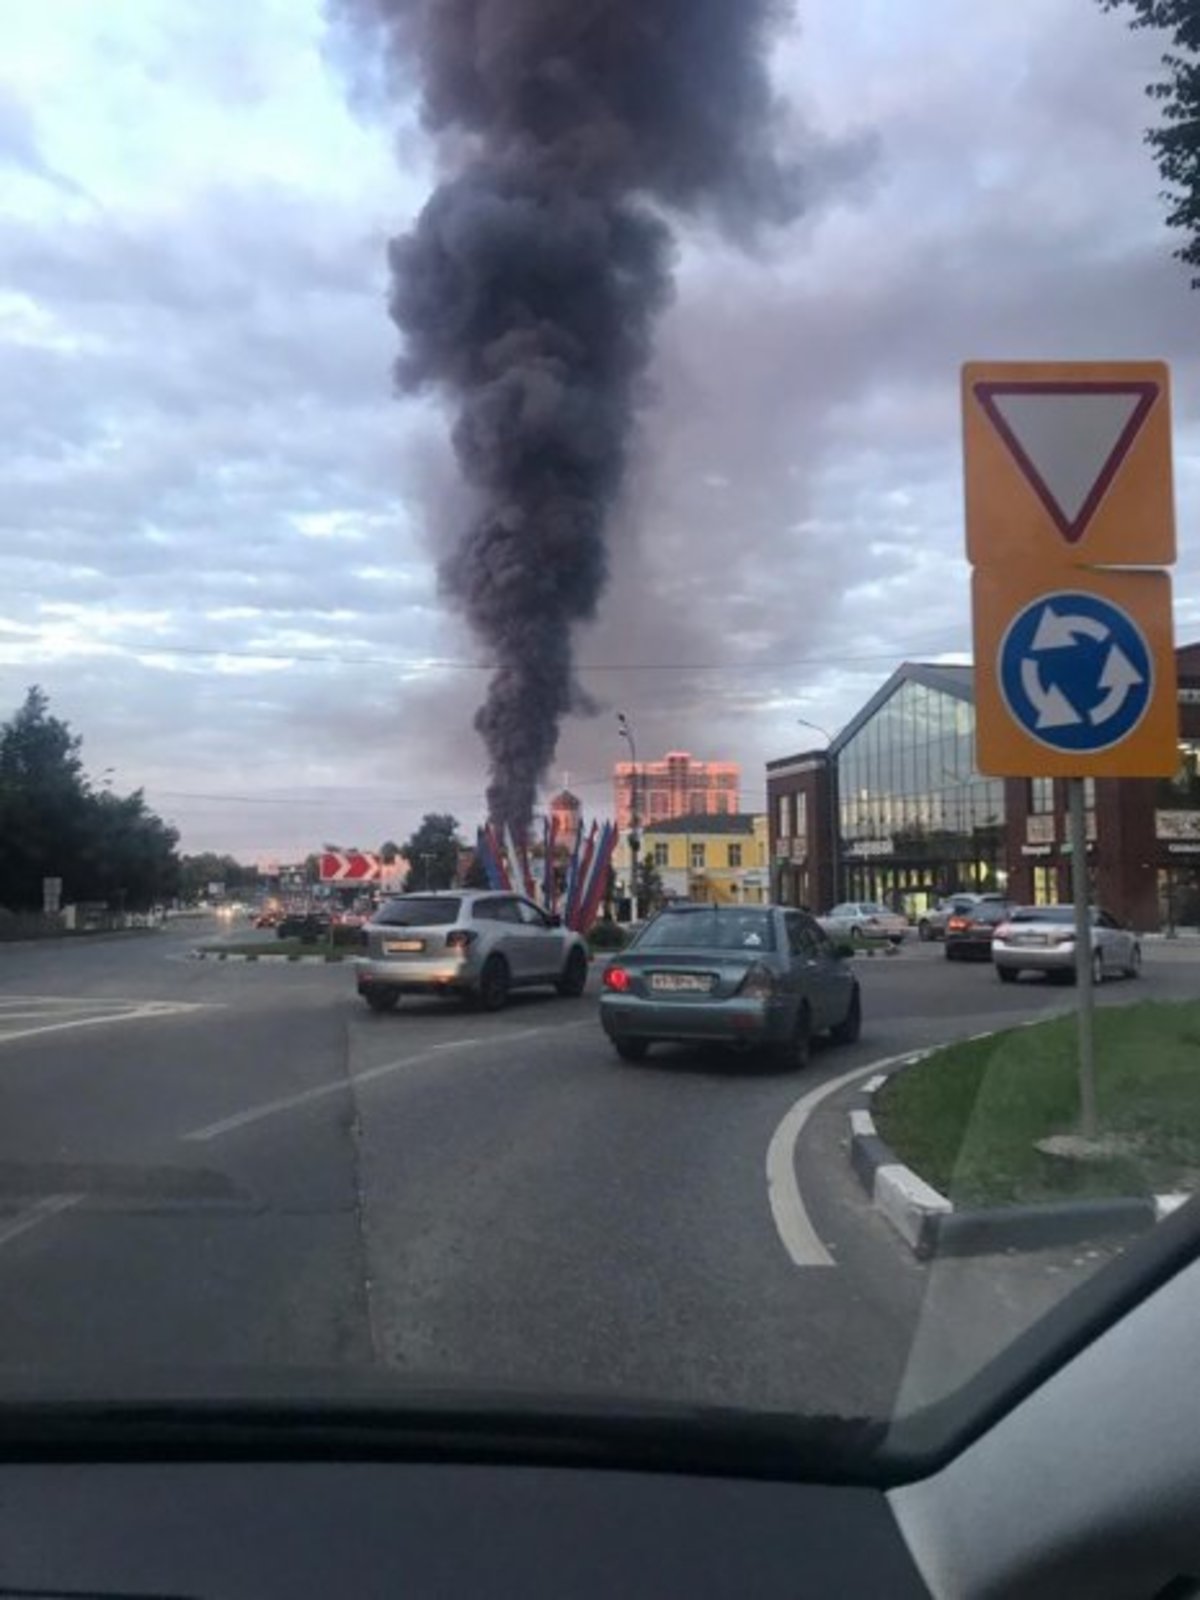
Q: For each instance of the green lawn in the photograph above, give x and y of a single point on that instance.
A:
(969, 1117)
(281, 947)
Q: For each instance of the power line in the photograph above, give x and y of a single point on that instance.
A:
(450, 664)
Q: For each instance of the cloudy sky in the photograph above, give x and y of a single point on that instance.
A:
(217, 546)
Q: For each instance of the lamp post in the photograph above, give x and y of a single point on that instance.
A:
(626, 730)
(835, 840)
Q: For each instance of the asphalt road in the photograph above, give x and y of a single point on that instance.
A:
(238, 1166)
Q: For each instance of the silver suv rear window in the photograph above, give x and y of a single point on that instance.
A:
(419, 911)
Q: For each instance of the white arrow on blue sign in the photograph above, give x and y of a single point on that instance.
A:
(1076, 672)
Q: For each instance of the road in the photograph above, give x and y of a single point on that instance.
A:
(238, 1166)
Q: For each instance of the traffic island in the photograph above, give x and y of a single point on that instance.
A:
(973, 1148)
(295, 951)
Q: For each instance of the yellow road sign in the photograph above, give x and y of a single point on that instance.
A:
(1068, 463)
(1074, 673)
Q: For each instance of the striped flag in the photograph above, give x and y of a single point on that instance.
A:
(572, 876)
(599, 877)
(582, 879)
(497, 848)
(486, 851)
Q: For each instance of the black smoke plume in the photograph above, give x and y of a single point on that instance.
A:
(529, 287)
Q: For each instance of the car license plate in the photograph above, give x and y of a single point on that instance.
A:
(1030, 939)
(680, 982)
(403, 947)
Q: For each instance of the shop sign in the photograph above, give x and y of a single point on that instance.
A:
(1184, 825)
(1184, 849)
(1037, 849)
(863, 848)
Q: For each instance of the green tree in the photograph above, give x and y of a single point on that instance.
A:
(1176, 142)
(649, 885)
(432, 853)
(43, 803)
(197, 872)
(54, 825)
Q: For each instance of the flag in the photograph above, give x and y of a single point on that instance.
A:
(581, 880)
(497, 850)
(599, 877)
(549, 886)
(485, 849)
(572, 876)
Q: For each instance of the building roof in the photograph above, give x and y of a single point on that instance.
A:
(726, 822)
(957, 681)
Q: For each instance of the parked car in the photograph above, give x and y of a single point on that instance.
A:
(864, 919)
(753, 977)
(476, 944)
(969, 932)
(1042, 939)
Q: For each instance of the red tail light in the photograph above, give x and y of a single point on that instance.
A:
(616, 978)
(759, 983)
(959, 924)
(459, 939)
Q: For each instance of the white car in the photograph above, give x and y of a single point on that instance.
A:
(864, 919)
(1042, 939)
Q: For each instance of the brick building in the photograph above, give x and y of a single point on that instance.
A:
(895, 810)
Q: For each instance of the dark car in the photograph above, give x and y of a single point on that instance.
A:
(309, 925)
(970, 931)
(752, 977)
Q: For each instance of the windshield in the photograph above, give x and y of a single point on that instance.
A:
(709, 930)
(418, 913)
(576, 455)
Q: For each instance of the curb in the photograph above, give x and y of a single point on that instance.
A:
(291, 961)
(931, 1225)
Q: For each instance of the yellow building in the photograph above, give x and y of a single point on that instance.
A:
(718, 860)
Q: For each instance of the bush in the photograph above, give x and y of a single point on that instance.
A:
(608, 936)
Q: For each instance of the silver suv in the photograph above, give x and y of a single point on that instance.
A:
(477, 943)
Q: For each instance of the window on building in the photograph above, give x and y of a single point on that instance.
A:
(735, 855)
(662, 854)
(781, 817)
(1041, 796)
(698, 857)
(1089, 794)
(800, 816)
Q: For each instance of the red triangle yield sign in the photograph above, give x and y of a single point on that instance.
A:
(1069, 440)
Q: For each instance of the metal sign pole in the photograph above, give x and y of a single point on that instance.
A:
(1083, 961)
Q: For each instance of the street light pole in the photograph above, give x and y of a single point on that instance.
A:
(626, 731)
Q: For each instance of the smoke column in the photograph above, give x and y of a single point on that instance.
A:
(529, 287)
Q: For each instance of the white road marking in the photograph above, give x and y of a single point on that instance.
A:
(292, 1102)
(135, 1011)
(792, 1221)
(33, 1216)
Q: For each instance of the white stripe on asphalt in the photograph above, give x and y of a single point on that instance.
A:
(143, 1013)
(33, 1216)
(306, 1097)
(792, 1221)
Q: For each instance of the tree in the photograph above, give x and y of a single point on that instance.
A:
(54, 825)
(432, 853)
(649, 885)
(1177, 142)
(197, 872)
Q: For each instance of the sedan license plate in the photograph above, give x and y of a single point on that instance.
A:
(403, 947)
(1030, 939)
(680, 982)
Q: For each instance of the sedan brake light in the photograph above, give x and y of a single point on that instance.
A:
(617, 978)
(959, 923)
(758, 984)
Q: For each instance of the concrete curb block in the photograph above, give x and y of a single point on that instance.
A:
(289, 961)
(930, 1225)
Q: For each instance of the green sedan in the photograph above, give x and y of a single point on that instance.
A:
(763, 978)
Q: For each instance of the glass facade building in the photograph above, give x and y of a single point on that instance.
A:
(916, 820)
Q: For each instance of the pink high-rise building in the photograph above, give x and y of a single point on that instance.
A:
(676, 786)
